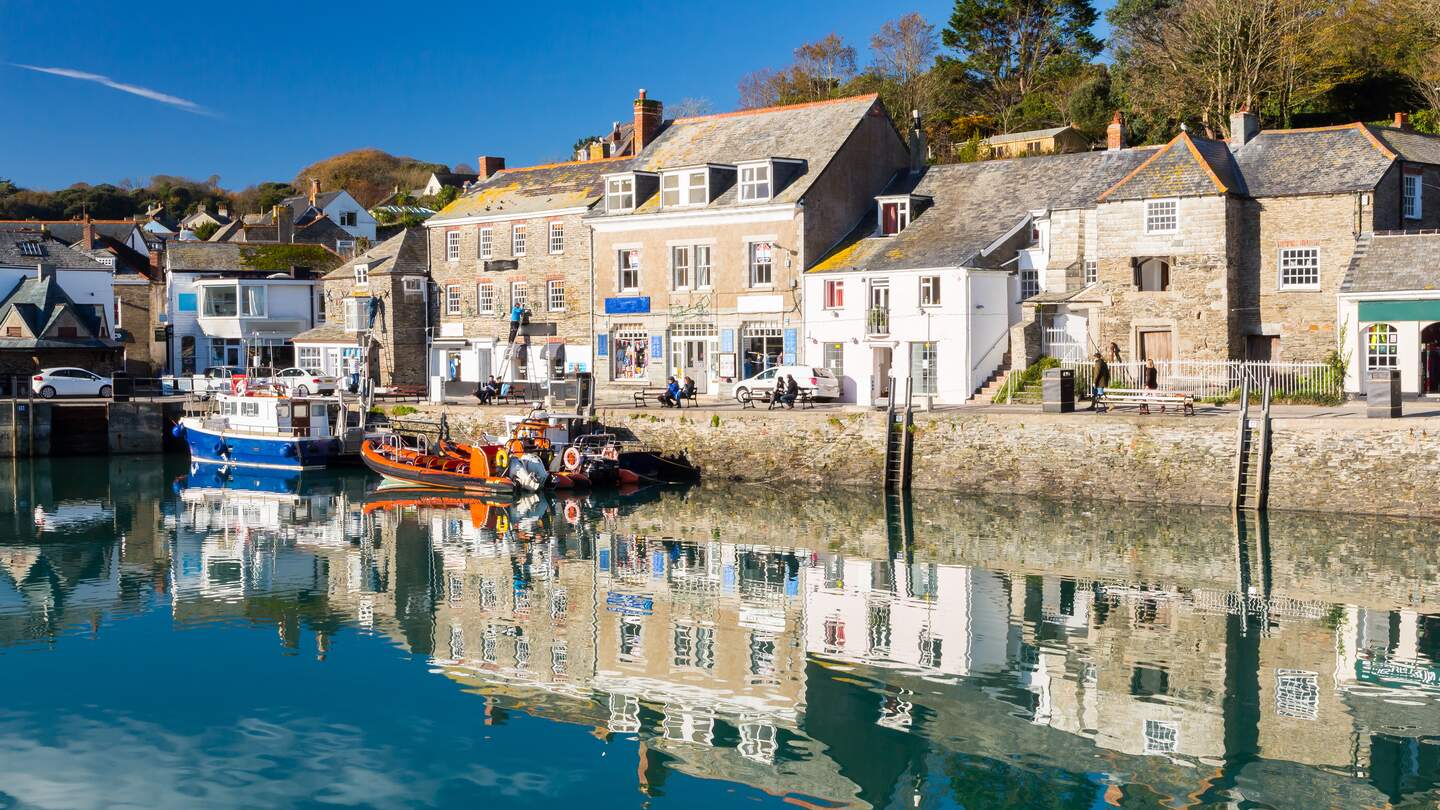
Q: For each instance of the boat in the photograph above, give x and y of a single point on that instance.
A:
(536, 442)
(258, 427)
(413, 460)
(607, 459)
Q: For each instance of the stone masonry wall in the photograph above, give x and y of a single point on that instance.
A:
(1304, 318)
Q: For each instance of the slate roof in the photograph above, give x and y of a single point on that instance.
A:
(230, 257)
(1031, 135)
(1323, 160)
(1187, 166)
(300, 203)
(327, 333)
(401, 253)
(71, 231)
(56, 253)
(975, 204)
(812, 133)
(1408, 144)
(456, 179)
(534, 189)
(40, 302)
(1394, 262)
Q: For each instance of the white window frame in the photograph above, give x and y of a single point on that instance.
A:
(349, 219)
(677, 268)
(308, 357)
(487, 242)
(680, 188)
(1413, 190)
(413, 285)
(620, 193)
(622, 270)
(1029, 284)
(362, 275)
(519, 294)
(242, 300)
(752, 184)
(485, 297)
(751, 278)
(555, 295)
(452, 299)
(708, 279)
(356, 314)
(557, 238)
(1092, 271)
(452, 246)
(1156, 217)
(902, 215)
(929, 291)
(832, 286)
(1296, 258)
(518, 234)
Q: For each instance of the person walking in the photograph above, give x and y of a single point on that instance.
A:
(1151, 382)
(1102, 381)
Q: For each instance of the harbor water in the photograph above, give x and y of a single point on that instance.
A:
(178, 637)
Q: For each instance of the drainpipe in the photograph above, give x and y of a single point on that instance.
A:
(594, 340)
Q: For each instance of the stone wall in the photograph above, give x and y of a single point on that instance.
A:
(1304, 319)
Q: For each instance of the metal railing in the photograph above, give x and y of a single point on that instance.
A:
(1220, 379)
(877, 322)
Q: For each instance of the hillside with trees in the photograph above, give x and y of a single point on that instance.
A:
(368, 174)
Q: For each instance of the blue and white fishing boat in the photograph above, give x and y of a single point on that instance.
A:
(261, 429)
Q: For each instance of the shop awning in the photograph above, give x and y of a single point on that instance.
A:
(1417, 310)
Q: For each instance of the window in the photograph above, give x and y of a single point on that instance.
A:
(929, 291)
(629, 264)
(1092, 271)
(452, 299)
(1382, 346)
(755, 183)
(894, 216)
(68, 332)
(557, 237)
(345, 247)
(834, 357)
(519, 294)
(349, 219)
(702, 267)
(680, 267)
(1152, 275)
(684, 188)
(452, 246)
(1029, 284)
(185, 302)
(362, 275)
(1413, 192)
(762, 264)
(517, 240)
(631, 353)
(834, 294)
(1300, 267)
(1161, 216)
(221, 302)
(620, 194)
(252, 302)
(1297, 694)
(1034, 233)
(487, 242)
(413, 285)
(923, 372)
(13, 331)
(485, 297)
(555, 295)
(1160, 737)
(357, 314)
(309, 356)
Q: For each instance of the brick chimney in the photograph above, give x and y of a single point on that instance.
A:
(314, 189)
(284, 224)
(88, 233)
(1244, 126)
(1115, 133)
(649, 113)
(1402, 120)
(598, 150)
(155, 259)
(488, 165)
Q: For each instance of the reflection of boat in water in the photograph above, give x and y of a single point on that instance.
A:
(496, 513)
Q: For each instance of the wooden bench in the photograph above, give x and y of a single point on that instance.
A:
(1143, 398)
(402, 392)
(644, 395)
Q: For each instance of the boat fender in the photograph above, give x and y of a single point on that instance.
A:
(628, 476)
(571, 458)
(572, 512)
(502, 460)
(178, 431)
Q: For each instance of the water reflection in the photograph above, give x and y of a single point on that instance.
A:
(832, 650)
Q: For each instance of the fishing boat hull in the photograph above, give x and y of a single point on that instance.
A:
(665, 469)
(210, 446)
(412, 475)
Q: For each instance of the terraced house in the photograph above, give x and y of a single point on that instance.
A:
(700, 243)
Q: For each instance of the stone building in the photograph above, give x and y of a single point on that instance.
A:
(1053, 141)
(1389, 311)
(56, 306)
(515, 238)
(701, 242)
(377, 309)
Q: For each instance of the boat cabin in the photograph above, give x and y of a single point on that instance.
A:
(310, 417)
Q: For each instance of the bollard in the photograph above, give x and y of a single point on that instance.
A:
(1382, 393)
(1058, 390)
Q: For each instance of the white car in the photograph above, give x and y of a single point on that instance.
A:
(302, 382)
(69, 382)
(821, 381)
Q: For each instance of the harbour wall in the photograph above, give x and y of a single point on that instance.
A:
(1334, 464)
(41, 428)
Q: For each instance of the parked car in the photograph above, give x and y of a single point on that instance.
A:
(69, 382)
(304, 381)
(215, 378)
(821, 381)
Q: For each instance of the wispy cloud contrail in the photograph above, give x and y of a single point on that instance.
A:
(144, 92)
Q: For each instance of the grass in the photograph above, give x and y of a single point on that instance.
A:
(1032, 376)
(403, 410)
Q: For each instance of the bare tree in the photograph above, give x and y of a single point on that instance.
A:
(759, 89)
(690, 107)
(822, 67)
(903, 50)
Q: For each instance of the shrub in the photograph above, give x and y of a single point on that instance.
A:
(403, 410)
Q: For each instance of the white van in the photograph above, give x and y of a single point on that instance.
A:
(822, 381)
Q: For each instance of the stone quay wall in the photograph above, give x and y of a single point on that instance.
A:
(1334, 464)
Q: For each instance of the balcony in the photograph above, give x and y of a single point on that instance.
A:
(877, 321)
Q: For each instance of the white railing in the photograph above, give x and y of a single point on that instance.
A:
(1060, 344)
(1218, 378)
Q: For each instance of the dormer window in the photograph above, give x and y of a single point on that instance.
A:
(894, 216)
(362, 275)
(620, 193)
(685, 188)
(755, 182)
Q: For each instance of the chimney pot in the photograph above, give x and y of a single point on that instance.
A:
(1115, 133)
(284, 224)
(88, 233)
(314, 189)
(1244, 126)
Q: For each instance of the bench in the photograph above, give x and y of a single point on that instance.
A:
(402, 392)
(1143, 398)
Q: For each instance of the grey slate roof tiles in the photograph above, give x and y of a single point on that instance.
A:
(534, 189)
(1325, 160)
(56, 253)
(402, 253)
(1394, 262)
(1184, 167)
(1030, 135)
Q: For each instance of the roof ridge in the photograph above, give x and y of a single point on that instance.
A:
(777, 108)
(1203, 161)
(610, 159)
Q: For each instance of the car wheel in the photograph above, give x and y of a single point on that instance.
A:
(106, 391)
(742, 394)
(48, 392)
(302, 391)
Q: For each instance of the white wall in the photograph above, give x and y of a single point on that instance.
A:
(344, 203)
(291, 307)
(1408, 356)
(86, 287)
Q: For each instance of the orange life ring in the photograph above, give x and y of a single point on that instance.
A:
(517, 447)
(572, 512)
(572, 459)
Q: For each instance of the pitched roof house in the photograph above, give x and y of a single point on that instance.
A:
(341, 208)
(56, 305)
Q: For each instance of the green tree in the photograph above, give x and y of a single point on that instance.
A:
(205, 230)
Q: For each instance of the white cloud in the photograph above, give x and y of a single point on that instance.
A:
(144, 92)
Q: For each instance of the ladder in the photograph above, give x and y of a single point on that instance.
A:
(898, 441)
(521, 339)
(1252, 450)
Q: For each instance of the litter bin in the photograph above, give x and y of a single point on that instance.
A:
(1058, 390)
(122, 386)
(1382, 393)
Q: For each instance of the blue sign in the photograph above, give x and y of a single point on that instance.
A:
(657, 350)
(629, 604)
(186, 302)
(629, 305)
(727, 340)
(792, 346)
(602, 345)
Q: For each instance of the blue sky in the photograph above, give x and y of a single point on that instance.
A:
(254, 91)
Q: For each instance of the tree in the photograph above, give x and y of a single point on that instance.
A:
(1010, 49)
(821, 70)
(691, 107)
(205, 230)
(760, 88)
(903, 50)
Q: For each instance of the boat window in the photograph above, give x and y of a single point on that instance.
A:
(282, 410)
(249, 409)
(302, 410)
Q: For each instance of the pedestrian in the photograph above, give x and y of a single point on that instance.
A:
(1151, 382)
(1102, 380)
(671, 397)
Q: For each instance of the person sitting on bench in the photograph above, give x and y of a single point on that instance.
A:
(1151, 383)
(487, 390)
(671, 397)
(687, 391)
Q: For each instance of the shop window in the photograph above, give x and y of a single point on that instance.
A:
(1382, 346)
(630, 354)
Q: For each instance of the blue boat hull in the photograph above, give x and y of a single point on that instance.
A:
(243, 450)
